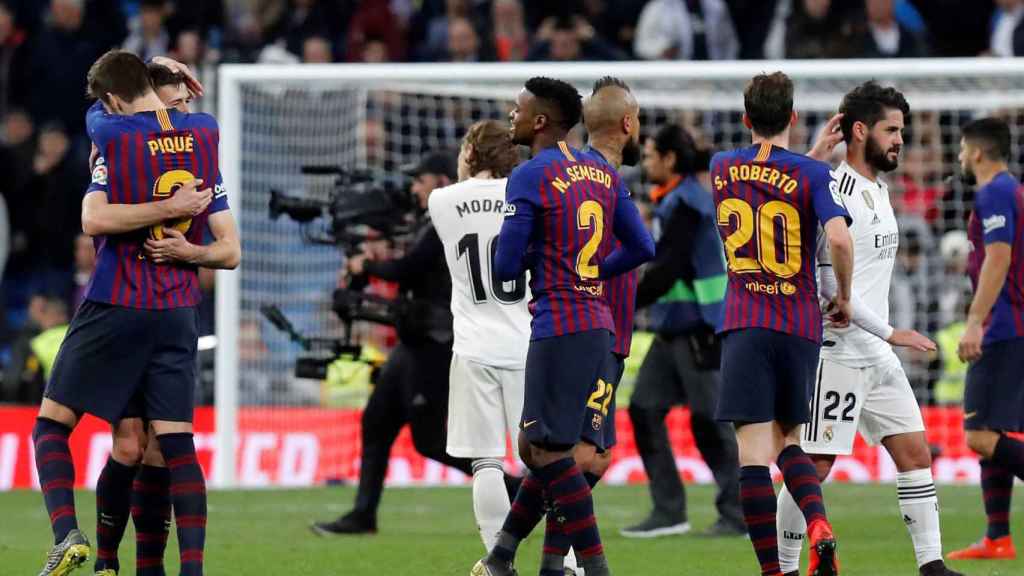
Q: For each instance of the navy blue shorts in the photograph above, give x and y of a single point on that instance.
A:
(994, 391)
(599, 423)
(766, 376)
(112, 353)
(561, 377)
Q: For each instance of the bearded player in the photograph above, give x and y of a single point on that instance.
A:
(860, 384)
(993, 340)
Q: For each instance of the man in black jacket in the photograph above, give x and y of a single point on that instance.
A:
(413, 384)
(683, 289)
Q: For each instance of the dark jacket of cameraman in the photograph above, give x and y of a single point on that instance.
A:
(422, 276)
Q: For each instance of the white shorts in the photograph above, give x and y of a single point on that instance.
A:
(484, 405)
(876, 400)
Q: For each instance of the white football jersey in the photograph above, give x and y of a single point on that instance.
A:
(876, 238)
(491, 319)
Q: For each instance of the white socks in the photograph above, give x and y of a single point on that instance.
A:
(791, 527)
(919, 506)
(570, 562)
(490, 499)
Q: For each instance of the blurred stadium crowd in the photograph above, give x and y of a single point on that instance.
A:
(47, 46)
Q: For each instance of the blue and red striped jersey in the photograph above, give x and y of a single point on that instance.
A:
(998, 216)
(567, 200)
(146, 157)
(620, 291)
(770, 202)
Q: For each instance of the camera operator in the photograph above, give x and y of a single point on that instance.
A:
(683, 287)
(413, 383)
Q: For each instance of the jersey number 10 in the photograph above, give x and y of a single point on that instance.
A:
(470, 246)
(769, 216)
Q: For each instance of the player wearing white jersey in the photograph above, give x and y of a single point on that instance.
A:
(860, 382)
(491, 320)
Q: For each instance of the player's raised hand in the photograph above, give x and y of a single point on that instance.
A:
(189, 200)
(174, 247)
(191, 81)
(830, 137)
(912, 339)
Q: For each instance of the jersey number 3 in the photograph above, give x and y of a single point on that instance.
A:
(166, 186)
(771, 216)
(470, 246)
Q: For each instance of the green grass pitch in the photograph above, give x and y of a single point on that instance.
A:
(430, 532)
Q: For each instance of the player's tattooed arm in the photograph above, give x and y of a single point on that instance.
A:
(100, 217)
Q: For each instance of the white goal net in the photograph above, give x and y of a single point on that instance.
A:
(277, 429)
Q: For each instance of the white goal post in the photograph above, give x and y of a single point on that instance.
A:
(272, 115)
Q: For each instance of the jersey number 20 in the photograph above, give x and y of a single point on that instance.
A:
(770, 215)
(470, 246)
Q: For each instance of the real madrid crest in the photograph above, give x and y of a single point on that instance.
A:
(828, 434)
(597, 421)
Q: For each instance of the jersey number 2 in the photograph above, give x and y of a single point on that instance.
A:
(589, 215)
(470, 245)
(770, 215)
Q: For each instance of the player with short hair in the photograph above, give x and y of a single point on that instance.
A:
(561, 210)
(135, 479)
(137, 328)
(611, 116)
(490, 319)
(770, 202)
(860, 383)
(993, 340)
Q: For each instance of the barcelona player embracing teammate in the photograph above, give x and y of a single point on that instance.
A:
(770, 202)
(560, 207)
(135, 335)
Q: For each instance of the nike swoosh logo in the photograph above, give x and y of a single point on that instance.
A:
(528, 424)
(970, 415)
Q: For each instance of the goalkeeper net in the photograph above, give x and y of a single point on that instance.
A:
(275, 120)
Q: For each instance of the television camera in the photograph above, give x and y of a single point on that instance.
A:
(363, 204)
